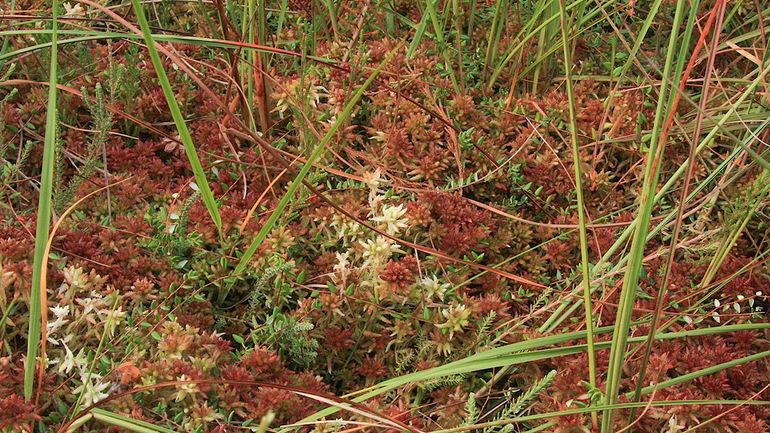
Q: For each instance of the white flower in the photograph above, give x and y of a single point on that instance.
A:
(378, 250)
(72, 361)
(112, 318)
(374, 201)
(392, 217)
(673, 426)
(373, 179)
(717, 304)
(93, 303)
(185, 389)
(93, 386)
(342, 266)
(73, 11)
(433, 288)
(60, 313)
(316, 93)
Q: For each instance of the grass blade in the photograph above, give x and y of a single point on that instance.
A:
(639, 241)
(102, 415)
(36, 318)
(576, 161)
(418, 34)
(682, 200)
(126, 423)
(493, 36)
(438, 29)
(181, 126)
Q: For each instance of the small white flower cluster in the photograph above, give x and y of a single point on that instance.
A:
(433, 288)
(374, 181)
(72, 361)
(735, 306)
(377, 251)
(366, 251)
(81, 317)
(345, 228)
(342, 267)
(392, 218)
(60, 313)
(92, 387)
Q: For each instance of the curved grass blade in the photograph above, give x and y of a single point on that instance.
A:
(418, 34)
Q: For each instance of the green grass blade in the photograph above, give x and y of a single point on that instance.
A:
(547, 34)
(43, 218)
(128, 424)
(114, 418)
(332, 10)
(493, 36)
(639, 241)
(576, 161)
(438, 29)
(677, 225)
(584, 410)
(700, 373)
(418, 34)
(281, 18)
(181, 126)
(7, 41)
